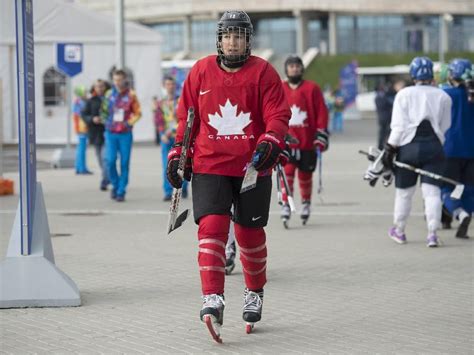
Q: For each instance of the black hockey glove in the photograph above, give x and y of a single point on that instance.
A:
(285, 156)
(267, 152)
(389, 155)
(321, 140)
(172, 169)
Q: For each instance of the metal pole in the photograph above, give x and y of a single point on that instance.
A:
(332, 33)
(119, 35)
(442, 32)
(187, 35)
(69, 111)
(444, 21)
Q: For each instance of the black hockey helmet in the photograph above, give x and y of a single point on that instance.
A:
(294, 59)
(239, 22)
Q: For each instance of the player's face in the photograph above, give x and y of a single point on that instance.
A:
(294, 69)
(233, 43)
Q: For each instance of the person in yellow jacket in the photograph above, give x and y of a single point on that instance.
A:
(80, 127)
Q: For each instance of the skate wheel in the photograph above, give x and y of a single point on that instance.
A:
(210, 327)
(248, 328)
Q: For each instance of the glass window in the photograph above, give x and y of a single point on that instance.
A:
(346, 35)
(432, 34)
(276, 33)
(317, 33)
(345, 21)
(204, 36)
(461, 33)
(369, 34)
(172, 33)
(54, 88)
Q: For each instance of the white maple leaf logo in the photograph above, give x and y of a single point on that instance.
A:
(229, 123)
(297, 116)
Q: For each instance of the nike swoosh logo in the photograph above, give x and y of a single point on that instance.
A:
(256, 218)
(203, 92)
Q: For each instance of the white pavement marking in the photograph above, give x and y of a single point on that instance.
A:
(166, 212)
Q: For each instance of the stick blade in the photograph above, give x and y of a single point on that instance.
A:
(179, 221)
(291, 202)
(250, 179)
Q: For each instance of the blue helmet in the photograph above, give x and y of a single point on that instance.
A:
(458, 67)
(421, 68)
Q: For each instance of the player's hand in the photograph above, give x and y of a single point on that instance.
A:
(389, 155)
(267, 152)
(284, 157)
(372, 176)
(172, 168)
(321, 140)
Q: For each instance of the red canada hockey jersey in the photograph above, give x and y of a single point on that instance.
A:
(308, 112)
(232, 110)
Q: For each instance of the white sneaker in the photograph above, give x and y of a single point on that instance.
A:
(432, 241)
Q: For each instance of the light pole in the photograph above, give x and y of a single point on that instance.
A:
(119, 35)
(444, 21)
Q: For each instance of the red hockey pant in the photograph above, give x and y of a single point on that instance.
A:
(305, 180)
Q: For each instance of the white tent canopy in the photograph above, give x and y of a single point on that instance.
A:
(56, 21)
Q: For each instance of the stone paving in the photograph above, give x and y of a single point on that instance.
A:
(338, 285)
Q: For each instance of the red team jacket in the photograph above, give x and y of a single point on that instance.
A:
(308, 112)
(232, 110)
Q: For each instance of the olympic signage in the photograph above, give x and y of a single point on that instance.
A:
(69, 58)
(348, 82)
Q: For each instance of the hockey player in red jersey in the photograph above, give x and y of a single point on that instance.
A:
(241, 116)
(308, 129)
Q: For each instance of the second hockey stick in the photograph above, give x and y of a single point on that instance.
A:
(458, 187)
(320, 170)
(281, 174)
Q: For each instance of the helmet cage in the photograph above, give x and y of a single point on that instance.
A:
(237, 23)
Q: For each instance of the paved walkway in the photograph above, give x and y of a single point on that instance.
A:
(338, 285)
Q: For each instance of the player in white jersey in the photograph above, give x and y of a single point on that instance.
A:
(421, 116)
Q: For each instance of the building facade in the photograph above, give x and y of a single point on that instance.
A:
(334, 27)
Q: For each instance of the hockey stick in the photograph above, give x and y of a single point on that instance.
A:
(320, 170)
(458, 187)
(281, 173)
(279, 193)
(175, 221)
